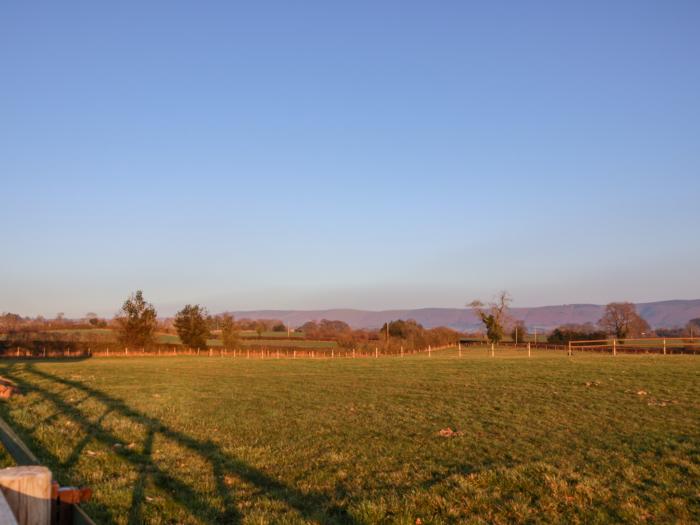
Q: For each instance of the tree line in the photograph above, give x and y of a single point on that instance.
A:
(137, 323)
(620, 320)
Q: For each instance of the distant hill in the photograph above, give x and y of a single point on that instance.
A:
(658, 314)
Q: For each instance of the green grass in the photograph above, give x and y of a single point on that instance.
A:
(593, 439)
(272, 335)
(269, 339)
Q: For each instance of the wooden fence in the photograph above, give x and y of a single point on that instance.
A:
(31, 495)
(19, 352)
(677, 345)
(656, 345)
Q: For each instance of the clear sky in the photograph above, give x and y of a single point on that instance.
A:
(347, 154)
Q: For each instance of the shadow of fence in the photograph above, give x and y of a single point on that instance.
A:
(311, 506)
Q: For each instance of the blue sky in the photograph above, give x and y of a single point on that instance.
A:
(355, 154)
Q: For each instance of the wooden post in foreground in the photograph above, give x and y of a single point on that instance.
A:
(493, 350)
(459, 348)
(529, 353)
(6, 515)
(28, 493)
(614, 346)
(569, 352)
(664, 346)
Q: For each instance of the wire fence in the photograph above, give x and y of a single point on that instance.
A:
(678, 345)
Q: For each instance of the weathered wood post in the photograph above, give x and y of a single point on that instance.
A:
(459, 348)
(27, 491)
(6, 515)
(664, 346)
(529, 354)
(376, 352)
(493, 350)
(401, 350)
(429, 351)
(614, 346)
(569, 350)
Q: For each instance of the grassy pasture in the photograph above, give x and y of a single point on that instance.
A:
(591, 439)
(248, 338)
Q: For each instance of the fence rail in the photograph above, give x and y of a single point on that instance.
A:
(659, 345)
(668, 345)
(64, 501)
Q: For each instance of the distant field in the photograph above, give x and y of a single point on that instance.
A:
(593, 439)
(248, 338)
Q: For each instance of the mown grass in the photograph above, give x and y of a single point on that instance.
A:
(592, 439)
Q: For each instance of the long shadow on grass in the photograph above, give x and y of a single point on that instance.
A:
(312, 506)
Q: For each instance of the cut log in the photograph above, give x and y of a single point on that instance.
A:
(7, 388)
(28, 493)
(6, 516)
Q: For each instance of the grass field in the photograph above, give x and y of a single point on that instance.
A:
(593, 439)
(248, 338)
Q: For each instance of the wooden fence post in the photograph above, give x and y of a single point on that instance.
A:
(493, 350)
(664, 346)
(459, 348)
(429, 349)
(376, 352)
(6, 516)
(529, 354)
(27, 490)
(614, 346)
(569, 350)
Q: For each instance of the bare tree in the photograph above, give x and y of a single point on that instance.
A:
(622, 320)
(494, 315)
(693, 327)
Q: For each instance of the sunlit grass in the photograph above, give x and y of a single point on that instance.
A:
(207, 440)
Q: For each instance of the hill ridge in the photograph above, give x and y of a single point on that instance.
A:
(668, 313)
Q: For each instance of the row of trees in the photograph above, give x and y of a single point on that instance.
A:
(620, 320)
(137, 324)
